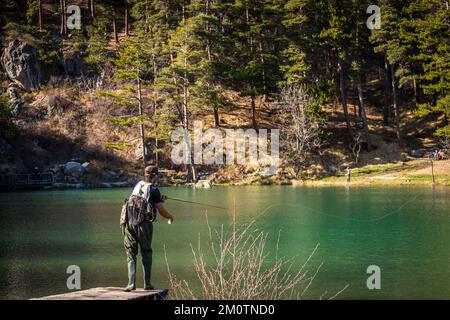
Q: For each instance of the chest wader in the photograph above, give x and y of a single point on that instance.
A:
(138, 232)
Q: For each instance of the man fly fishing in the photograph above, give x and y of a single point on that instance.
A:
(136, 220)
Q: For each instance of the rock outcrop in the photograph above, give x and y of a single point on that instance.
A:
(21, 65)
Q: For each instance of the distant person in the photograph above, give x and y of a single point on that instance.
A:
(435, 155)
(347, 175)
(137, 225)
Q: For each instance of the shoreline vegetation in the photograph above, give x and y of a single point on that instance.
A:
(413, 173)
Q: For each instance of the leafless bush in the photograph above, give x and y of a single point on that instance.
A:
(241, 269)
(301, 133)
(89, 83)
(356, 146)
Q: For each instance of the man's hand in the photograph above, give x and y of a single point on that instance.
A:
(163, 197)
(163, 211)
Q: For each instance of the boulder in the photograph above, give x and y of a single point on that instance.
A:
(14, 100)
(73, 169)
(21, 65)
(417, 153)
(87, 167)
(110, 176)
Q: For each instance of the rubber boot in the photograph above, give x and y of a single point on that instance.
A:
(131, 277)
(147, 266)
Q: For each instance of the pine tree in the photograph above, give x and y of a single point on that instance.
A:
(387, 41)
(431, 29)
(337, 35)
(97, 43)
(256, 49)
(308, 60)
(188, 62)
(358, 53)
(153, 22)
(131, 68)
(34, 11)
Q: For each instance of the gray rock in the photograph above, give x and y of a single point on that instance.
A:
(110, 176)
(14, 100)
(57, 168)
(73, 169)
(417, 153)
(20, 62)
(87, 167)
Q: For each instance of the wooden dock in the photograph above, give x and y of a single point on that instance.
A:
(110, 293)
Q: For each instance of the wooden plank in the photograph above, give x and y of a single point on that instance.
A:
(110, 293)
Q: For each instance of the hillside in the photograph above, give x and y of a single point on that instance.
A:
(79, 107)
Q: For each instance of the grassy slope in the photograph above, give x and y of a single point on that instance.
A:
(415, 172)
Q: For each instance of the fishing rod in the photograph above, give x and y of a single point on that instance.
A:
(199, 203)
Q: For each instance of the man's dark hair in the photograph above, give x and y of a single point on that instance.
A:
(151, 171)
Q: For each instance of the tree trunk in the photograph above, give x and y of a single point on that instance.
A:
(40, 14)
(363, 114)
(209, 53)
(141, 114)
(344, 95)
(156, 129)
(396, 109)
(355, 107)
(216, 116)
(386, 93)
(92, 9)
(126, 20)
(155, 105)
(65, 16)
(186, 103)
(261, 60)
(254, 124)
(191, 165)
(62, 7)
(116, 38)
(416, 91)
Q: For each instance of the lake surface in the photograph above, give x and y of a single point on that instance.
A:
(404, 231)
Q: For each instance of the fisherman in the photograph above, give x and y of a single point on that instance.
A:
(138, 225)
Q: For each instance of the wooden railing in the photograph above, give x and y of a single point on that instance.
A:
(26, 180)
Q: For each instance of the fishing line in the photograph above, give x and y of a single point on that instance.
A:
(336, 216)
(308, 208)
(199, 203)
